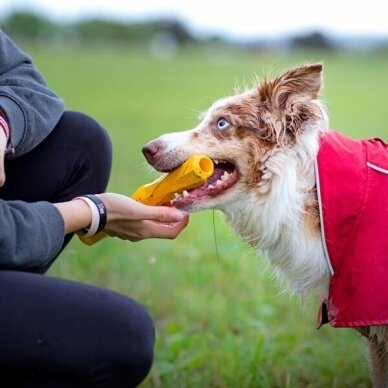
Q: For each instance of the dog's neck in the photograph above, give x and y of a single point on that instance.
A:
(275, 220)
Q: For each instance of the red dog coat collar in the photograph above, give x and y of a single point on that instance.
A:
(352, 185)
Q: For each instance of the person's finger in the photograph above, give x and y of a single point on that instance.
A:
(155, 229)
(137, 230)
(163, 214)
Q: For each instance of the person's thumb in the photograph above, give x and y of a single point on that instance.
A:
(167, 214)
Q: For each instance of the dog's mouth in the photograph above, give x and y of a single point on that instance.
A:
(224, 176)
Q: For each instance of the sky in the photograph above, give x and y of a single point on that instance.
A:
(239, 19)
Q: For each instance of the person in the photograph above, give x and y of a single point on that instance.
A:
(54, 169)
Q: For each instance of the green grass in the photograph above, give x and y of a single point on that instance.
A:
(220, 321)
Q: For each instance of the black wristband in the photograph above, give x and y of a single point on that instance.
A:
(101, 211)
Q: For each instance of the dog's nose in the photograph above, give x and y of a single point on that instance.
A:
(151, 149)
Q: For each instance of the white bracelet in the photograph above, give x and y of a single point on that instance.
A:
(95, 217)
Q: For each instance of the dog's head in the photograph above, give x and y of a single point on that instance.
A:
(241, 134)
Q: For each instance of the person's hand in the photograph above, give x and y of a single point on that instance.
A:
(3, 146)
(131, 220)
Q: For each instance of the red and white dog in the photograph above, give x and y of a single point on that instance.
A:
(265, 144)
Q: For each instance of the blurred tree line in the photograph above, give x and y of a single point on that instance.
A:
(32, 27)
(39, 29)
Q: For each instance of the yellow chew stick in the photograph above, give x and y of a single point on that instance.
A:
(192, 173)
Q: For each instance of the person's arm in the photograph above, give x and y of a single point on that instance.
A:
(31, 109)
(30, 234)
(126, 218)
(33, 233)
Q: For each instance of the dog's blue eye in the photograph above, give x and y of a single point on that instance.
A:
(222, 123)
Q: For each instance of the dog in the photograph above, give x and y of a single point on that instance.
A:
(275, 160)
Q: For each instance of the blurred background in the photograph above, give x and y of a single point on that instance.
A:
(142, 68)
(168, 26)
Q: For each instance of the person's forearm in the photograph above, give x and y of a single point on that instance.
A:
(76, 215)
(30, 233)
(125, 218)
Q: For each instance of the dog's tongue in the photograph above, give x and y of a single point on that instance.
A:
(211, 183)
(224, 175)
(217, 174)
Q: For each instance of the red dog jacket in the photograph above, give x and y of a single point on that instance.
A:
(352, 185)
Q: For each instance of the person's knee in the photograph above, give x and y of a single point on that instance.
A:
(87, 135)
(141, 358)
(93, 137)
(132, 349)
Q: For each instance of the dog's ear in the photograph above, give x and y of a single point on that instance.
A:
(286, 103)
(302, 83)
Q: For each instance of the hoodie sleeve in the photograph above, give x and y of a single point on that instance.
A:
(30, 234)
(31, 108)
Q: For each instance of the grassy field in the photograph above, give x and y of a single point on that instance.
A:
(220, 320)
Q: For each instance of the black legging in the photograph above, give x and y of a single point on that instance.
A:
(59, 333)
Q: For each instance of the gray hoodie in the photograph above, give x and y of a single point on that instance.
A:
(30, 234)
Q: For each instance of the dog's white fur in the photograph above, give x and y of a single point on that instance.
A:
(273, 205)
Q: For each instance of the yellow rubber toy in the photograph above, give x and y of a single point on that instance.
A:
(192, 173)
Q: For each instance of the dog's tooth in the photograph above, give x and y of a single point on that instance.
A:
(219, 182)
(225, 176)
(185, 194)
(177, 195)
(210, 187)
(216, 161)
